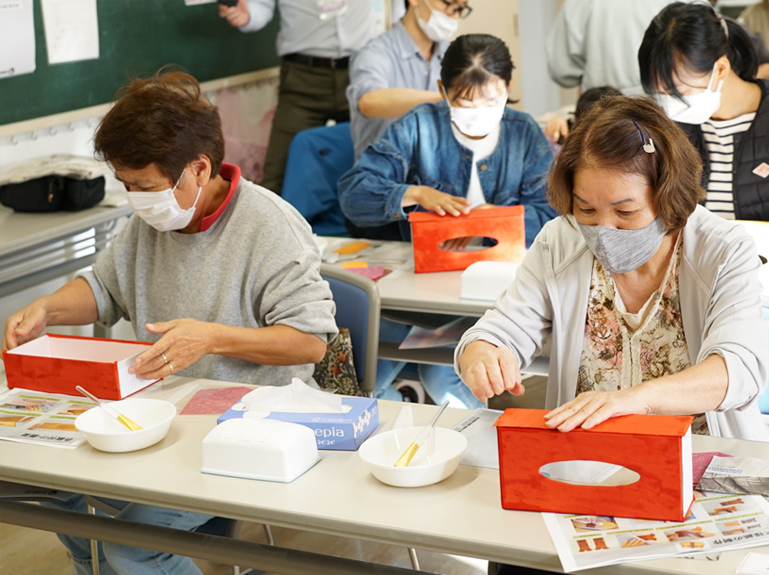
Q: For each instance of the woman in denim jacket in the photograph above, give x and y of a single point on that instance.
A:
(450, 157)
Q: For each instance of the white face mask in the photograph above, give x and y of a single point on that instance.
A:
(476, 122)
(695, 109)
(439, 27)
(161, 210)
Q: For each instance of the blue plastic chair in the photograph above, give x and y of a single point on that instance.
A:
(317, 158)
(357, 309)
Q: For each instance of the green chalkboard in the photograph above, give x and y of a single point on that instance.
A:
(136, 37)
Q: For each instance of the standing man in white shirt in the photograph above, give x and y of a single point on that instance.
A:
(315, 42)
(400, 69)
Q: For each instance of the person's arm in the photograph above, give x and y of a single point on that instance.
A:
(185, 341)
(375, 191)
(73, 304)
(388, 103)
(697, 389)
(510, 335)
(565, 45)
(248, 15)
(294, 304)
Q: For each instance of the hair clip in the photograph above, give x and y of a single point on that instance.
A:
(724, 25)
(648, 147)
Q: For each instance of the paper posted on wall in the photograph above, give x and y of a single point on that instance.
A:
(42, 418)
(17, 38)
(715, 523)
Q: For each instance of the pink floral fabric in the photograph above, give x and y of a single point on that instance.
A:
(614, 356)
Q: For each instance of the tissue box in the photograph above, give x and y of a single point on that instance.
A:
(429, 230)
(57, 363)
(656, 447)
(337, 431)
(486, 280)
(259, 449)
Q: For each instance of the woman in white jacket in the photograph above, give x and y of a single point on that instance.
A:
(652, 302)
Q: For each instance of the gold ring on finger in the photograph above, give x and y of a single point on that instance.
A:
(165, 359)
(171, 366)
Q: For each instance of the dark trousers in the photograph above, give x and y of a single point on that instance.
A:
(307, 97)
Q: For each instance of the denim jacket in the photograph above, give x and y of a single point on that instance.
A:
(420, 149)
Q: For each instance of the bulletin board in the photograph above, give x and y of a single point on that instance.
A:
(136, 38)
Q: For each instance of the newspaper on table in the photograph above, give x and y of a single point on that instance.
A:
(715, 523)
(736, 475)
(41, 418)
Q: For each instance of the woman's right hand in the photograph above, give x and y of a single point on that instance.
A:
(237, 15)
(435, 201)
(25, 325)
(489, 370)
(556, 128)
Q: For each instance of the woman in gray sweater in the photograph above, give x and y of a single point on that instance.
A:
(221, 274)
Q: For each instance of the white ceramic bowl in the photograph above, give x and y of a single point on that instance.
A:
(106, 434)
(382, 451)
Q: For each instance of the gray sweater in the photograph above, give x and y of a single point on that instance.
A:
(256, 266)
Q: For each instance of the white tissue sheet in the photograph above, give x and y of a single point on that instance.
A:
(296, 397)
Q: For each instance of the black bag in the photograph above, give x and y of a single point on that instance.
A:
(53, 194)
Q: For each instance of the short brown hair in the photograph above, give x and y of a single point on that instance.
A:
(606, 137)
(165, 120)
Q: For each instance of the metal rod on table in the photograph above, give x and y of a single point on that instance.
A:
(209, 547)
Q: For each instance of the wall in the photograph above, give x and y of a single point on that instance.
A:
(499, 18)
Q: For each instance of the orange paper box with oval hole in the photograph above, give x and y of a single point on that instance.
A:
(656, 447)
(57, 363)
(429, 230)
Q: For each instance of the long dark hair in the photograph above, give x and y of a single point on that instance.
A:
(472, 60)
(694, 36)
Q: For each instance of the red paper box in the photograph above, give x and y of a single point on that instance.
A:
(656, 447)
(57, 363)
(429, 230)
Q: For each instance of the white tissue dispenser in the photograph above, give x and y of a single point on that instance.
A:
(259, 449)
(486, 280)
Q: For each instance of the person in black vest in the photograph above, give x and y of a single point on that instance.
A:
(701, 67)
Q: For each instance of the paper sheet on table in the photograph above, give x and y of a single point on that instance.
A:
(755, 564)
(296, 397)
(71, 30)
(715, 523)
(478, 428)
(736, 475)
(17, 38)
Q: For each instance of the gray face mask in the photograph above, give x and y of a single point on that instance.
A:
(622, 251)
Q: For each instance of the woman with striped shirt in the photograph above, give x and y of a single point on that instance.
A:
(701, 67)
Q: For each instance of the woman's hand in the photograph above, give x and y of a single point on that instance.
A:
(435, 201)
(237, 15)
(489, 370)
(184, 342)
(25, 325)
(593, 407)
(557, 127)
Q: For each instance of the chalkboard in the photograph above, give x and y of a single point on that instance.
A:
(136, 37)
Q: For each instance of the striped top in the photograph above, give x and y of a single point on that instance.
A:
(720, 139)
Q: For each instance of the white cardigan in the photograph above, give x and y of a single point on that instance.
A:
(720, 297)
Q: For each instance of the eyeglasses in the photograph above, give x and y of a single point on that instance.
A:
(452, 9)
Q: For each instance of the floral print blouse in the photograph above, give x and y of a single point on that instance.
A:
(623, 349)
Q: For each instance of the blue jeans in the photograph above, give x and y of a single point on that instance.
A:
(79, 549)
(440, 381)
(117, 559)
